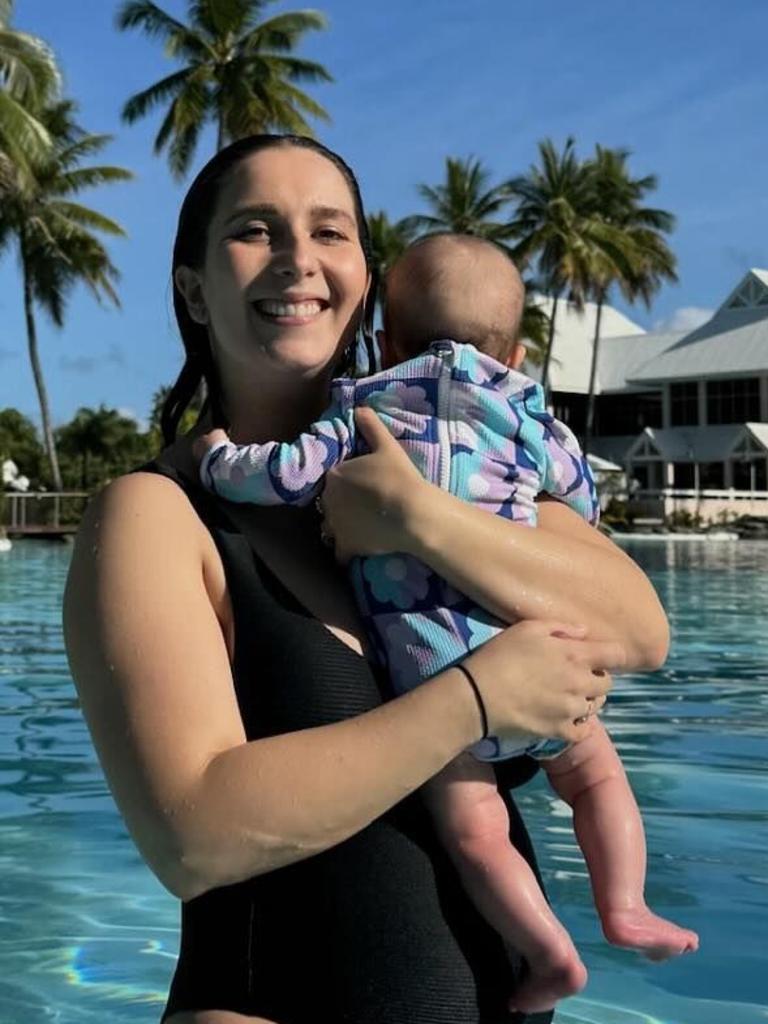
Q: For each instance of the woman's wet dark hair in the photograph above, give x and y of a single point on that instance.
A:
(189, 250)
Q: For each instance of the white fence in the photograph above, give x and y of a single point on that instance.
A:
(711, 505)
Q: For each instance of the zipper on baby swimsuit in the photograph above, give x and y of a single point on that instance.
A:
(443, 427)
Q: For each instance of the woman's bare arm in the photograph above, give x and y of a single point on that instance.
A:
(563, 569)
(205, 806)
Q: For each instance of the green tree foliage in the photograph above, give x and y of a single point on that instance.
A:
(630, 249)
(56, 236)
(29, 79)
(98, 445)
(551, 227)
(19, 442)
(464, 203)
(238, 72)
(188, 419)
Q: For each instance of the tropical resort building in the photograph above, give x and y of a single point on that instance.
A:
(683, 414)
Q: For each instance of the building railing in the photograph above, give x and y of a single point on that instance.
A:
(726, 494)
(43, 511)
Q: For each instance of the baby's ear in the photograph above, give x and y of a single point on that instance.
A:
(517, 356)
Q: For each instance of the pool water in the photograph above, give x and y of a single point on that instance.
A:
(88, 935)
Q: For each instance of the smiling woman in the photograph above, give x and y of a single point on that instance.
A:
(248, 741)
(280, 285)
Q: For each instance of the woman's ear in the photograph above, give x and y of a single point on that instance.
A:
(189, 284)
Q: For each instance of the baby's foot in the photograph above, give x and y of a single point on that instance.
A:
(653, 936)
(554, 973)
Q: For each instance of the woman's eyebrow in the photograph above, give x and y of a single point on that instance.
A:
(261, 209)
(333, 213)
(270, 210)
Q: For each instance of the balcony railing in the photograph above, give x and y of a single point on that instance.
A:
(43, 512)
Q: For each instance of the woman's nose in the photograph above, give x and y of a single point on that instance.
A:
(294, 258)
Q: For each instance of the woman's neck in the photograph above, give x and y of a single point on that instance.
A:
(275, 413)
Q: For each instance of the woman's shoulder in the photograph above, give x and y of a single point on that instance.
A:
(148, 506)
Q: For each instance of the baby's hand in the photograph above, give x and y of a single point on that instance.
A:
(205, 442)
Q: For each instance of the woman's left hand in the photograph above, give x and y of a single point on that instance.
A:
(368, 501)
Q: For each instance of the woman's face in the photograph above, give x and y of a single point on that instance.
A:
(284, 275)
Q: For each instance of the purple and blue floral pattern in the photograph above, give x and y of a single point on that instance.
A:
(468, 424)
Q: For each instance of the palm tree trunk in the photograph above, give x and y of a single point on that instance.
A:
(550, 343)
(590, 425)
(220, 131)
(37, 373)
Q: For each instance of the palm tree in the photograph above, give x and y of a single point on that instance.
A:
(56, 244)
(388, 243)
(103, 434)
(29, 78)
(464, 204)
(551, 226)
(238, 73)
(629, 250)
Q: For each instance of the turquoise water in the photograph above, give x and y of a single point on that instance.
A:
(87, 935)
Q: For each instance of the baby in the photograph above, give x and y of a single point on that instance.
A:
(452, 395)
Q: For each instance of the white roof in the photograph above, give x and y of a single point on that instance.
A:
(572, 345)
(684, 444)
(733, 342)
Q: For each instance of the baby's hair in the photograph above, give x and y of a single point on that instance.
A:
(421, 298)
(189, 250)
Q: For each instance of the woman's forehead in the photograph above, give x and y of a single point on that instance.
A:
(285, 176)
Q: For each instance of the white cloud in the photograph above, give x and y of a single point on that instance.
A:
(687, 318)
(131, 414)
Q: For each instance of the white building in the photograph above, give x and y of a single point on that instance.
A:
(686, 413)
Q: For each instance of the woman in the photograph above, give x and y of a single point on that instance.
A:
(221, 665)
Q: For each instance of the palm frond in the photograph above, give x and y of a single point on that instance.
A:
(72, 182)
(141, 103)
(283, 32)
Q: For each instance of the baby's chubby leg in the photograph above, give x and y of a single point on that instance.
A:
(590, 777)
(473, 825)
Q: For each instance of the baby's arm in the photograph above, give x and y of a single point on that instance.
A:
(565, 472)
(276, 473)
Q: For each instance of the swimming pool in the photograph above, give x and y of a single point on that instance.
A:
(88, 936)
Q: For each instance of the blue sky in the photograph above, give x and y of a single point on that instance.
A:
(682, 84)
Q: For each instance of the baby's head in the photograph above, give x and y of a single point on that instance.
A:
(453, 286)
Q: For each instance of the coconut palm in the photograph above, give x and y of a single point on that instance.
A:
(388, 243)
(104, 435)
(57, 246)
(238, 73)
(551, 226)
(465, 203)
(630, 250)
(29, 78)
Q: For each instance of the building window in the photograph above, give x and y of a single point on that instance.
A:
(685, 475)
(712, 476)
(743, 474)
(627, 413)
(684, 402)
(733, 401)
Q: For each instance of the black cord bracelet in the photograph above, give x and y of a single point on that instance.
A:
(478, 696)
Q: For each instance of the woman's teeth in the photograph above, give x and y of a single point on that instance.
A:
(297, 309)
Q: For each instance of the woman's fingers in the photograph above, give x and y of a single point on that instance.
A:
(373, 430)
(601, 655)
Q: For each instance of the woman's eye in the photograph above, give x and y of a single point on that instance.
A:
(331, 234)
(253, 231)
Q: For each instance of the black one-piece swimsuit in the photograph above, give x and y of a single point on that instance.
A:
(376, 930)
